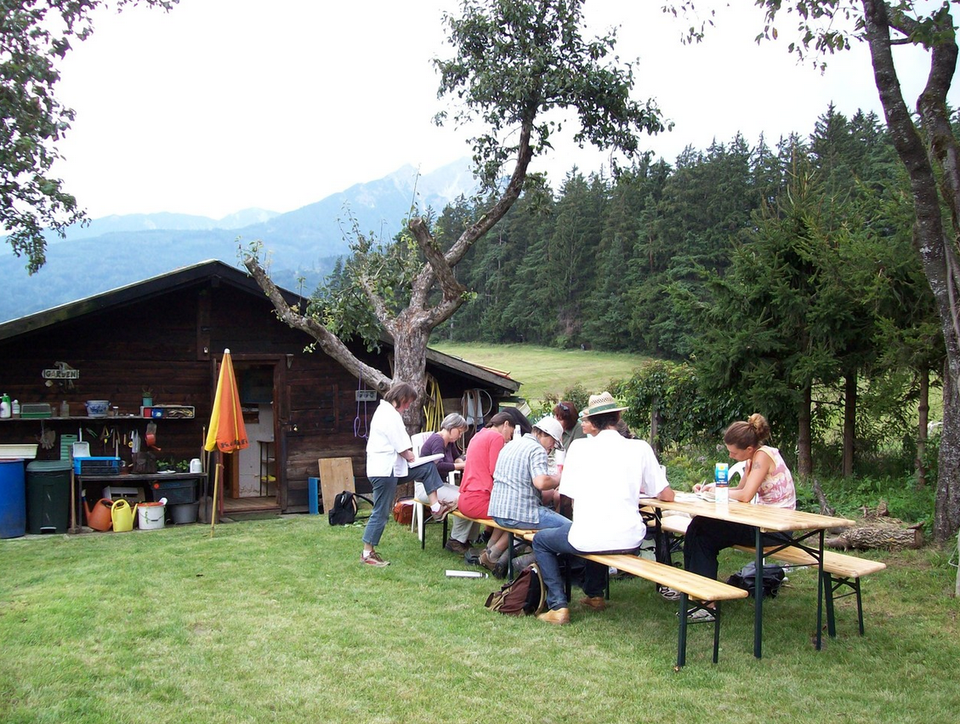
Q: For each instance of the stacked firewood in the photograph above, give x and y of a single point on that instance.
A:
(878, 529)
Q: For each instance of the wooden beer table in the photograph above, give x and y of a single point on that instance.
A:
(763, 519)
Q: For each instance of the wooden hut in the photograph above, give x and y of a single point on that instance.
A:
(164, 336)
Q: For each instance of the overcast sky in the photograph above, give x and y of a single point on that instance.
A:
(222, 105)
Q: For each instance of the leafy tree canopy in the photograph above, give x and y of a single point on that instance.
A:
(516, 62)
(35, 35)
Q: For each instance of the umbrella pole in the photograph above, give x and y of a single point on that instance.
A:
(213, 513)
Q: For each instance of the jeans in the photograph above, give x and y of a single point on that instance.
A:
(548, 546)
(426, 474)
(549, 518)
(385, 492)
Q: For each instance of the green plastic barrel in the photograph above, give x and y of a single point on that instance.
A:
(48, 496)
(13, 515)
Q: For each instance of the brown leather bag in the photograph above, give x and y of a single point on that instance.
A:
(403, 511)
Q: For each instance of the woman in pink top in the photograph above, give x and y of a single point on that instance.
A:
(766, 476)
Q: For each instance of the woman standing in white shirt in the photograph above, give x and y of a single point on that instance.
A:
(389, 450)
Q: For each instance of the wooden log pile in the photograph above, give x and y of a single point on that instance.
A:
(878, 529)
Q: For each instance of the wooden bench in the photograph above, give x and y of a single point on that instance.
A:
(694, 591)
(839, 569)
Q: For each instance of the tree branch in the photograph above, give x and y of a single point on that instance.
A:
(327, 341)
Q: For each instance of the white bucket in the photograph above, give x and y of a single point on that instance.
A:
(151, 515)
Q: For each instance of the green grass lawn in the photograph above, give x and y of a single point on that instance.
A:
(277, 621)
(546, 370)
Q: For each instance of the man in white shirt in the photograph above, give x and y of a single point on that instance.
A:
(605, 475)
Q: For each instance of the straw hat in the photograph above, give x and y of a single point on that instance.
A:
(552, 427)
(601, 403)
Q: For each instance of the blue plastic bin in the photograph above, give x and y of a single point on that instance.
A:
(13, 499)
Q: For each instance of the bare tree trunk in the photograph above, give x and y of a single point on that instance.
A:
(804, 437)
(410, 354)
(934, 245)
(655, 427)
(923, 416)
(946, 518)
(849, 422)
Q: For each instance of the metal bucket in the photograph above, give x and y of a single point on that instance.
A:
(184, 512)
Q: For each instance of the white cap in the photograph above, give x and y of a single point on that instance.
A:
(552, 427)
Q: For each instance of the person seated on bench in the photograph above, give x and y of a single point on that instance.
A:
(389, 449)
(521, 476)
(605, 475)
(482, 454)
(566, 412)
(766, 476)
(445, 443)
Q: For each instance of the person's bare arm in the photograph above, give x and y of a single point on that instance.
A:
(546, 482)
(750, 484)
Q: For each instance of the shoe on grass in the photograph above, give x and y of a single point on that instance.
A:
(455, 546)
(373, 559)
(700, 615)
(596, 603)
(668, 594)
(558, 617)
(486, 561)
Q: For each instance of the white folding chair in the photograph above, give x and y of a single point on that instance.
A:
(417, 521)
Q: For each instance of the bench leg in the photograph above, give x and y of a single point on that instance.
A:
(682, 636)
(716, 632)
(833, 585)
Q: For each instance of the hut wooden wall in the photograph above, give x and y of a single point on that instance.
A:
(168, 340)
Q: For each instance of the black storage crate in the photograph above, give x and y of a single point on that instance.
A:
(175, 491)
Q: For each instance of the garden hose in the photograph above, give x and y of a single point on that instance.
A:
(432, 405)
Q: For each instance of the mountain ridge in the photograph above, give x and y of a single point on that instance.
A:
(302, 244)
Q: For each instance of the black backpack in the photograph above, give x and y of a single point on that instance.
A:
(523, 596)
(746, 578)
(345, 508)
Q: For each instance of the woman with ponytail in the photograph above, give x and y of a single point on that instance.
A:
(766, 476)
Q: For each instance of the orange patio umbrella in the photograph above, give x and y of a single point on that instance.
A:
(227, 431)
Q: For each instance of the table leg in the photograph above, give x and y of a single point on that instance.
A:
(758, 598)
(820, 595)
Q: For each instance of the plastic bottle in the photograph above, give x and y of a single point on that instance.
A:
(15, 408)
(5, 405)
(721, 487)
